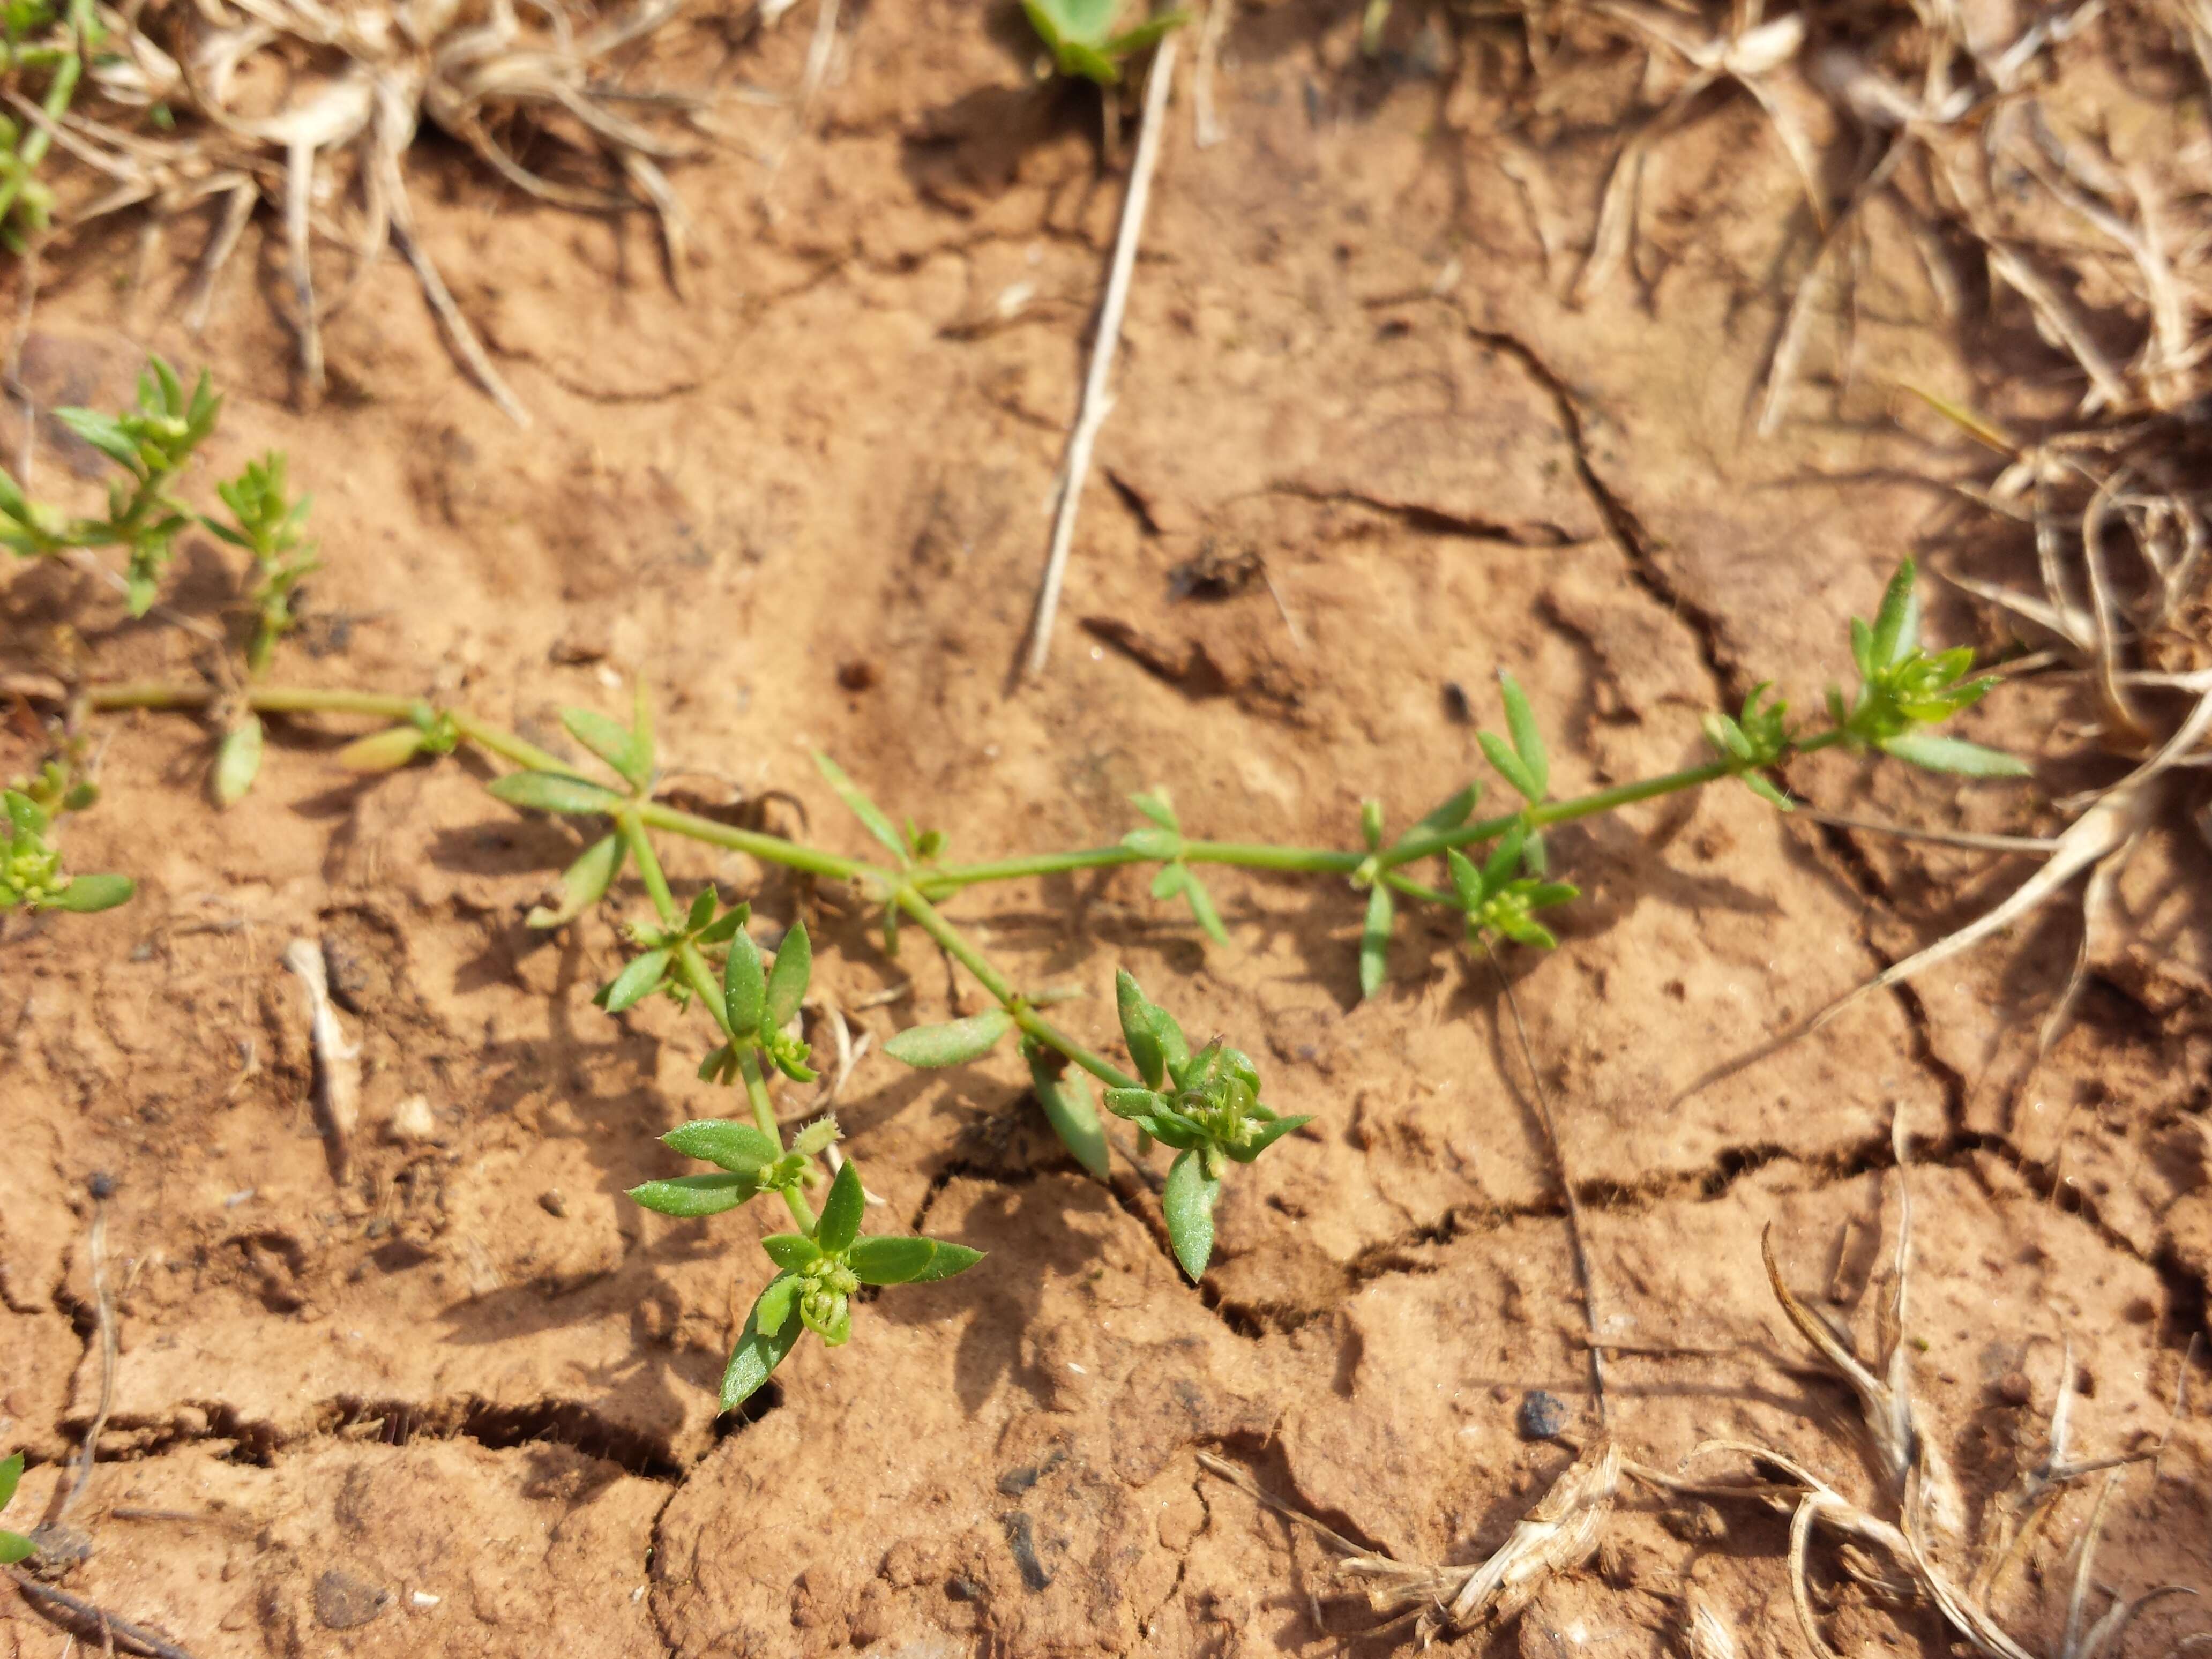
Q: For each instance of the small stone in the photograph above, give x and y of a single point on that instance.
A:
(553, 1204)
(1541, 1415)
(411, 1121)
(343, 1602)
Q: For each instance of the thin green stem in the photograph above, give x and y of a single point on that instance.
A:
(748, 1068)
(954, 945)
(701, 979)
(655, 879)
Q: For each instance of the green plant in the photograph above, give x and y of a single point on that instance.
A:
(32, 39)
(151, 442)
(31, 872)
(1083, 41)
(14, 1546)
(1203, 1104)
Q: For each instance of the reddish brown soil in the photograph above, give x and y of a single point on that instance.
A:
(476, 1373)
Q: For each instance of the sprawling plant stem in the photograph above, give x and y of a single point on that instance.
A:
(914, 892)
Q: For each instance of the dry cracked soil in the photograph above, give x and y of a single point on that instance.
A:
(463, 1402)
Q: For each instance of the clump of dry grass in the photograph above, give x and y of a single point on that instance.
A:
(312, 105)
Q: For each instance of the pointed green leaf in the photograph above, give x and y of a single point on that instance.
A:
(1505, 859)
(1188, 1203)
(1132, 1103)
(787, 980)
(1954, 755)
(692, 1196)
(86, 894)
(956, 1043)
(724, 927)
(1202, 908)
(1374, 940)
(11, 1471)
(1067, 1106)
(1527, 741)
(1171, 880)
(946, 1261)
(612, 742)
(238, 762)
(1521, 931)
(1897, 625)
(1767, 792)
(840, 1212)
(1545, 894)
(583, 884)
(1862, 654)
(1727, 737)
(636, 982)
(739, 1147)
(103, 433)
(791, 1251)
(744, 985)
(1371, 823)
(868, 812)
(1467, 882)
(1155, 806)
(701, 912)
(768, 1336)
(1266, 1137)
(1447, 814)
(553, 791)
(1508, 765)
(382, 751)
(885, 1260)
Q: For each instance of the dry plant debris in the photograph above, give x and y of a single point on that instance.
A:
(312, 107)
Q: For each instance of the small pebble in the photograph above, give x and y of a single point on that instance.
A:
(553, 1204)
(101, 1186)
(412, 1120)
(1541, 1415)
(343, 1602)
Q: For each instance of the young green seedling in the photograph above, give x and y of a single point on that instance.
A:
(1083, 41)
(31, 872)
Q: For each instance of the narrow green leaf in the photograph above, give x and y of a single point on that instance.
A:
(238, 762)
(86, 894)
(1726, 736)
(1861, 652)
(382, 751)
(791, 1251)
(102, 432)
(1155, 806)
(1146, 33)
(701, 912)
(768, 1334)
(1521, 931)
(1201, 907)
(553, 791)
(1467, 882)
(1545, 894)
(1447, 814)
(1371, 823)
(1139, 1030)
(724, 927)
(25, 815)
(744, 985)
(612, 742)
(886, 1260)
(867, 811)
(635, 983)
(1955, 755)
(953, 1043)
(1897, 625)
(1132, 1103)
(692, 1196)
(946, 1261)
(840, 1212)
(1171, 880)
(1068, 1108)
(1508, 765)
(1188, 1203)
(1374, 940)
(1527, 741)
(11, 1471)
(739, 1147)
(787, 980)
(1505, 859)
(1767, 792)
(1266, 1137)
(583, 884)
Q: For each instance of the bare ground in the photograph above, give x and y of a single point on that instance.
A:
(464, 1403)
